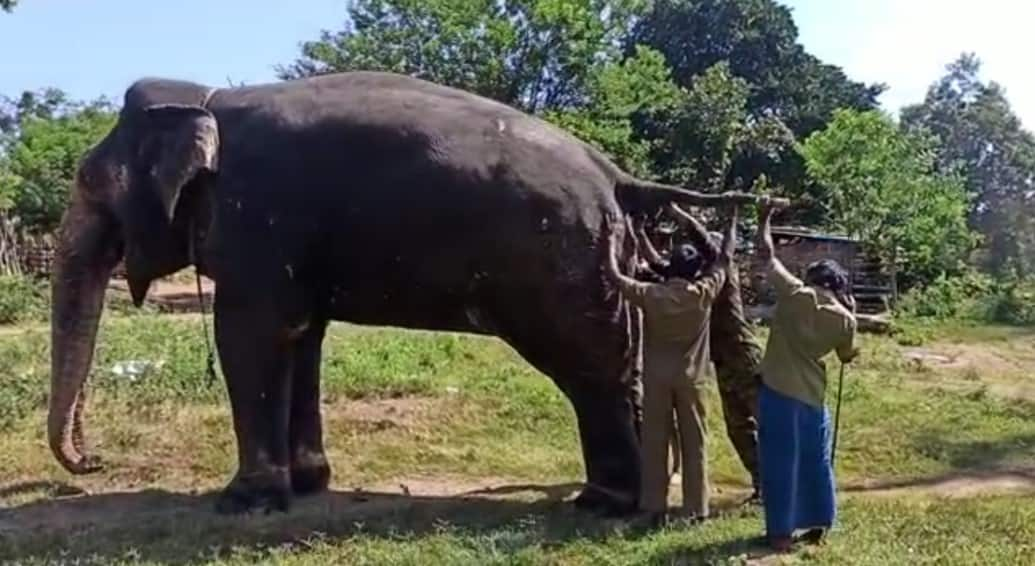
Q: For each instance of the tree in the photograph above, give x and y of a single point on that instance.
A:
(700, 140)
(789, 93)
(8, 5)
(537, 55)
(559, 59)
(759, 41)
(882, 185)
(616, 92)
(980, 137)
(39, 153)
(44, 103)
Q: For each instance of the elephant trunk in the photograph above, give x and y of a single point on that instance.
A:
(86, 255)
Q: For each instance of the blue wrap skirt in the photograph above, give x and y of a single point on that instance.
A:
(797, 478)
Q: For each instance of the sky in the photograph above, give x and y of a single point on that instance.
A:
(99, 47)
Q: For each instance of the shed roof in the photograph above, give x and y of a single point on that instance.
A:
(806, 233)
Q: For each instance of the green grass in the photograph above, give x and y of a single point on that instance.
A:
(991, 530)
(401, 406)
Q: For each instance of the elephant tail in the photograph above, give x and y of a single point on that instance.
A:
(640, 195)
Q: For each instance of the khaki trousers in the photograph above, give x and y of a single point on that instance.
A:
(659, 398)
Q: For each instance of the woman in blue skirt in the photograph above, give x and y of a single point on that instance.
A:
(812, 318)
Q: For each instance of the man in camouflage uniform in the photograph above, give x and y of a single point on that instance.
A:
(735, 351)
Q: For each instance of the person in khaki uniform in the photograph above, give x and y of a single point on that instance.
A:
(676, 316)
(735, 350)
(812, 318)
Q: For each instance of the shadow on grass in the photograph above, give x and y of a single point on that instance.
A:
(977, 454)
(177, 528)
(975, 466)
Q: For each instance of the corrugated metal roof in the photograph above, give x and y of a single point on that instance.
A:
(799, 232)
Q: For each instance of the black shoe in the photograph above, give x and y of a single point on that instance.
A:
(813, 536)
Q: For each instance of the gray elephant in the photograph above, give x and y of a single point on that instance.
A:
(365, 197)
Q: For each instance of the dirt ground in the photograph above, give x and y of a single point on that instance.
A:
(63, 511)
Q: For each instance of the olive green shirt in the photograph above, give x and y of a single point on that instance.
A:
(676, 317)
(808, 324)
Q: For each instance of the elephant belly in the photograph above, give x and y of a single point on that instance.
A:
(425, 310)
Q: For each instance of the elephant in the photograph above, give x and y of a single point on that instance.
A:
(367, 197)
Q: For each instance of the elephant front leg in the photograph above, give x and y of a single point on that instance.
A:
(257, 361)
(310, 472)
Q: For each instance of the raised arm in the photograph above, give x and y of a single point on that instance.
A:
(713, 277)
(698, 233)
(764, 249)
(729, 241)
(632, 289)
(653, 257)
(783, 281)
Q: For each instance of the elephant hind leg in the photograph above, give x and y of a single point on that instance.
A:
(590, 353)
(310, 472)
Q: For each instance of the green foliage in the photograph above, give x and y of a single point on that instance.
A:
(537, 55)
(583, 65)
(561, 60)
(982, 139)
(616, 93)
(789, 93)
(699, 142)
(880, 185)
(23, 387)
(43, 140)
(758, 40)
(1012, 303)
(972, 298)
(22, 299)
(947, 298)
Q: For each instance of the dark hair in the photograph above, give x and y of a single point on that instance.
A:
(685, 262)
(828, 274)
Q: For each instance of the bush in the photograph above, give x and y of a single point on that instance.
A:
(974, 298)
(948, 298)
(22, 299)
(1012, 303)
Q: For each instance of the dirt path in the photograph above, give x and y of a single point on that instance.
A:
(1002, 368)
(957, 485)
(407, 502)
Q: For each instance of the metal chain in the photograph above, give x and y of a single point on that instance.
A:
(210, 356)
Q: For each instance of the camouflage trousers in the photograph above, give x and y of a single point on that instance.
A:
(738, 388)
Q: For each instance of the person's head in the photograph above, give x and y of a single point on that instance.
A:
(685, 263)
(666, 240)
(828, 274)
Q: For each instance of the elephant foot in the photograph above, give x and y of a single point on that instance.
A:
(605, 502)
(266, 492)
(311, 476)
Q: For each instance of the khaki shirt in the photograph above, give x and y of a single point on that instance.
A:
(676, 317)
(807, 325)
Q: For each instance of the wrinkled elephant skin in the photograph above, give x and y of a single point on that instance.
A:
(364, 197)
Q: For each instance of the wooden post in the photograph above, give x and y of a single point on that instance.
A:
(894, 275)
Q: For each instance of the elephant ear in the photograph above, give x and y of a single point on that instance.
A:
(183, 142)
